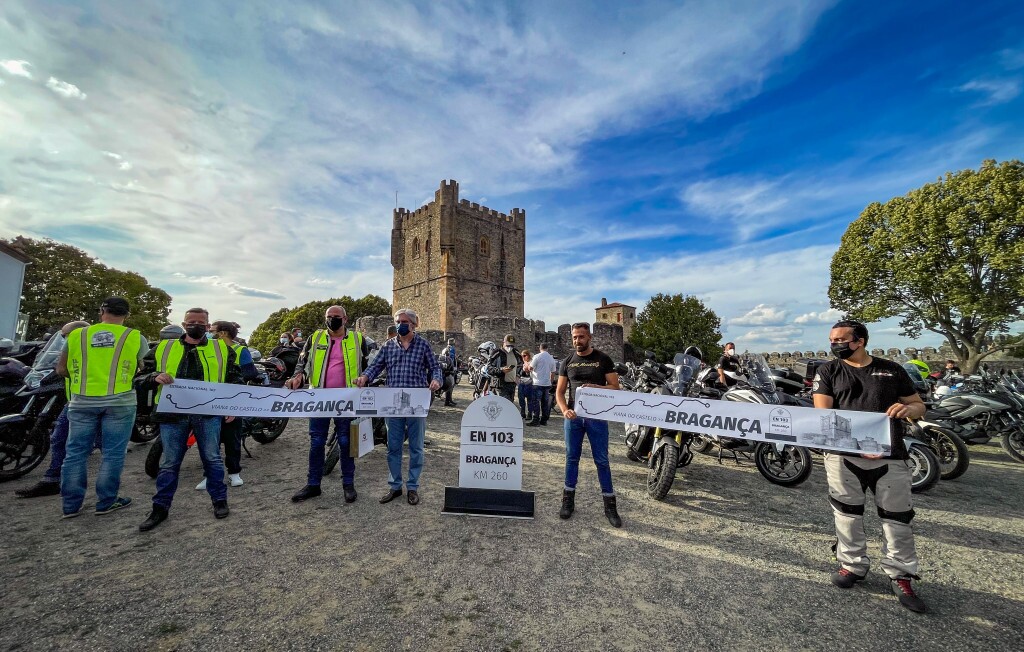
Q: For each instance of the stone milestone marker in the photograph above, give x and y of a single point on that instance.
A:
(490, 463)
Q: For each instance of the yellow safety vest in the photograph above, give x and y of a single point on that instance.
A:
(213, 356)
(237, 348)
(102, 359)
(352, 349)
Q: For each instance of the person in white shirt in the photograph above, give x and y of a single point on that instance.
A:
(544, 368)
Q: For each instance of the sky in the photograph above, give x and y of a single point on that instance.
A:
(245, 156)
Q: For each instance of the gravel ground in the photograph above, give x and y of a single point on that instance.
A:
(726, 562)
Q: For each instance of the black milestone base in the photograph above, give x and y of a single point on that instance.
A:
(497, 503)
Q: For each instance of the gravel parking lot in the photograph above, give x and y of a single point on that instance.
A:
(726, 562)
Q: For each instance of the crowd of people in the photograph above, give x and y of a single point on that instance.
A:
(106, 362)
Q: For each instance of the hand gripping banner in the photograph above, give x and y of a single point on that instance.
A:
(198, 397)
(839, 430)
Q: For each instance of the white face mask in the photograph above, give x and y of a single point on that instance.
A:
(283, 340)
(730, 352)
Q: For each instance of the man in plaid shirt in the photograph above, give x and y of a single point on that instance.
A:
(409, 362)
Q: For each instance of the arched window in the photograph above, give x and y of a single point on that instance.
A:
(485, 247)
(415, 247)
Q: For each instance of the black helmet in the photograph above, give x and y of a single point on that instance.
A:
(695, 352)
(276, 370)
(171, 332)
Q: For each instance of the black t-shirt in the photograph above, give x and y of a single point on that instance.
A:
(586, 369)
(874, 388)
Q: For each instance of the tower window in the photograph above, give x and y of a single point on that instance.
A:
(415, 247)
(428, 245)
(485, 247)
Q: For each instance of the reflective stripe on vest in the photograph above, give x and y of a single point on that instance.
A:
(351, 347)
(102, 359)
(237, 348)
(213, 357)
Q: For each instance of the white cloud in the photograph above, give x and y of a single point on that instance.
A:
(829, 316)
(16, 67)
(321, 282)
(993, 91)
(235, 288)
(761, 315)
(121, 163)
(767, 339)
(65, 89)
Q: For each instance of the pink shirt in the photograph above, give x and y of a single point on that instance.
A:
(334, 376)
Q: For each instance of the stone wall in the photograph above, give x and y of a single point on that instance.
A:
(454, 259)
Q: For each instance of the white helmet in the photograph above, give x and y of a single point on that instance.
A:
(942, 391)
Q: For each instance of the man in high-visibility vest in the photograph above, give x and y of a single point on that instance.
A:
(331, 357)
(100, 362)
(192, 356)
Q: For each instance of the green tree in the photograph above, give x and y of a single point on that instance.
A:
(310, 316)
(947, 257)
(671, 322)
(63, 283)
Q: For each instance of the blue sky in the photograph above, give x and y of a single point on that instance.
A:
(245, 156)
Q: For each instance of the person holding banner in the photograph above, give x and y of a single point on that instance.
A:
(332, 357)
(100, 362)
(193, 356)
(409, 362)
(856, 381)
(587, 367)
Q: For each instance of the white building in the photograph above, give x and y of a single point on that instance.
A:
(12, 278)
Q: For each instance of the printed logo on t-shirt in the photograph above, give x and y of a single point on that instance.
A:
(887, 374)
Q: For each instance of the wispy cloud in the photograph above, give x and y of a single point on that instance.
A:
(993, 90)
(829, 316)
(235, 288)
(65, 89)
(761, 315)
(17, 67)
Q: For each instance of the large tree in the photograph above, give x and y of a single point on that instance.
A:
(671, 322)
(64, 283)
(947, 257)
(310, 316)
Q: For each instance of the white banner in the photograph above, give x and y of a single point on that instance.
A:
(198, 397)
(491, 450)
(838, 430)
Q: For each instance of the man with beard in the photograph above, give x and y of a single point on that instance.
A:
(586, 367)
(856, 381)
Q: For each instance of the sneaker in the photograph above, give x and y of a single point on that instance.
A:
(39, 489)
(235, 479)
(114, 506)
(201, 486)
(905, 592)
(845, 579)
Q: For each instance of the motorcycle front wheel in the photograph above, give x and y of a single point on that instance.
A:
(1012, 442)
(787, 469)
(267, 430)
(153, 458)
(143, 432)
(22, 448)
(924, 468)
(951, 451)
(333, 454)
(661, 471)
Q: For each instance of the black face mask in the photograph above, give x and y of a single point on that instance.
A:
(842, 350)
(334, 323)
(196, 332)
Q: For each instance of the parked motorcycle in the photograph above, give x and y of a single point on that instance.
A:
(488, 374)
(25, 435)
(448, 377)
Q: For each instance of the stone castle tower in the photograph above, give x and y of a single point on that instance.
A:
(454, 259)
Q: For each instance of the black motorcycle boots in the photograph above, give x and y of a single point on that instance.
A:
(611, 511)
(156, 517)
(568, 504)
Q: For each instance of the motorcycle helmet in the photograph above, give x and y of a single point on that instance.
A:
(942, 391)
(6, 346)
(276, 370)
(171, 332)
(487, 348)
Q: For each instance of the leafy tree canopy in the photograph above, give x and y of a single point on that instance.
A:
(310, 316)
(671, 322)
(63, 283)
(947, 257)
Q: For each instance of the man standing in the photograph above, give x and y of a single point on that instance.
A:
(543, 366)
(409, 362)
(586, 367)
(100, 362)
(510, 363)
(50, 484)
(231, 431)
(331, 358)
(728, 363)
(856, 381)
(193, 356)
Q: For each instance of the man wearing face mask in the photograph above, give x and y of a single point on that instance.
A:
(728, 362)
(409, 362)
(511, 364)
(332, 357)
(287, 352)
(193, 356)
(857, 381)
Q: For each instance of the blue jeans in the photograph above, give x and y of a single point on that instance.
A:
(526, 398)
(597, 432)
(318, 441)
(86, 424)
(174, 437)
(398, 428)
(540, 402)
(58, 446)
